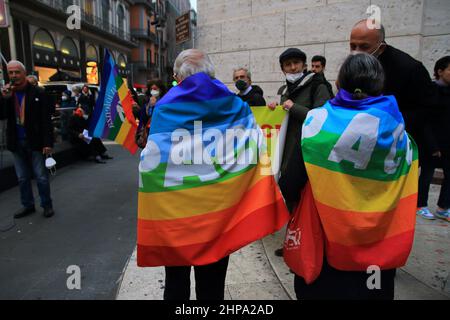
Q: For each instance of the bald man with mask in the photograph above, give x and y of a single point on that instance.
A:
(406, 79)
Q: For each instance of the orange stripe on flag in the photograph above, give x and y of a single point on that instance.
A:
(389, 253)
(254, 226)
(206, 227)
(350, 228)
(129, 142)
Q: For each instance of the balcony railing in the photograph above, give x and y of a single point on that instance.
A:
(144, 34)
(95, 21)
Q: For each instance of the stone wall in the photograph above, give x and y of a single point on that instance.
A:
(253, 33)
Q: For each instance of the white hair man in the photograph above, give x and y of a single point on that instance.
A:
(201, 234)
(190, 62)
(29, 136)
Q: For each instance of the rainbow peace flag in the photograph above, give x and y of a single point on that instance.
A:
(113, 115)
(206, 187)
(363, 170)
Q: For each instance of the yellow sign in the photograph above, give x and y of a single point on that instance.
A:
(273, 124)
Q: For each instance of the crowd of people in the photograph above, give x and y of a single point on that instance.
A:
(373, 69)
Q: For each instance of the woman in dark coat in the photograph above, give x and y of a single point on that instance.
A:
(93, 148)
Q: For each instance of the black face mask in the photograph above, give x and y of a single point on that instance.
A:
(241, 85)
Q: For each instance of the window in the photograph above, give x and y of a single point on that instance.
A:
(105, 14)
(69, 48)
(122, 63)
(149, 58)
(121, 19)
(43, 40)
(89, 7)
(91, 53)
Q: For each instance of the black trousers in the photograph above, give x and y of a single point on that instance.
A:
(209, 281)
(427, 166)
(333, 284)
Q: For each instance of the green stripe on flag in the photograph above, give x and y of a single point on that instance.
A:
(114, 131)
(153, 181)
(317, 149)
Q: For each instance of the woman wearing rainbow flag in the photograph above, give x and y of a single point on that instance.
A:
(362, 191)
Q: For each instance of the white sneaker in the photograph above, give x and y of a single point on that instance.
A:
(425, 213)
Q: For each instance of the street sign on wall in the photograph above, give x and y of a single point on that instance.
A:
(182, 28)
(3, 16)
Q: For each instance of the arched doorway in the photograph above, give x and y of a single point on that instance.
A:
(69, 66)
(45, 57)
(91, 64)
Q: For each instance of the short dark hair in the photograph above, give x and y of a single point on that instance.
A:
(441, 64)
(320, 59)
(362, 75)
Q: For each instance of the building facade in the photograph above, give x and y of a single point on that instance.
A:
(176, 8)
(147, 21)
(46, 45)
(253, 33)
(153, 25)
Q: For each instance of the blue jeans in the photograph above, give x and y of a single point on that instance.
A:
(27, 162)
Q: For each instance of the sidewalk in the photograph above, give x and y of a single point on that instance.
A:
(255, 273)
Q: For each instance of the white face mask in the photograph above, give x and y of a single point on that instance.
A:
(50, 164)
(64, 98)
(154, 93)
(373, 53)
(293, 77)
(85, 116)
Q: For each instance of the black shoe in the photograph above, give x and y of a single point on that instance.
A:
(24, 212)
(279, 252)
(48, 212)
(106, 157)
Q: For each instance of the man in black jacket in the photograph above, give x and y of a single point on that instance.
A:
(29, 136)
(407, 80)
(251, 94)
